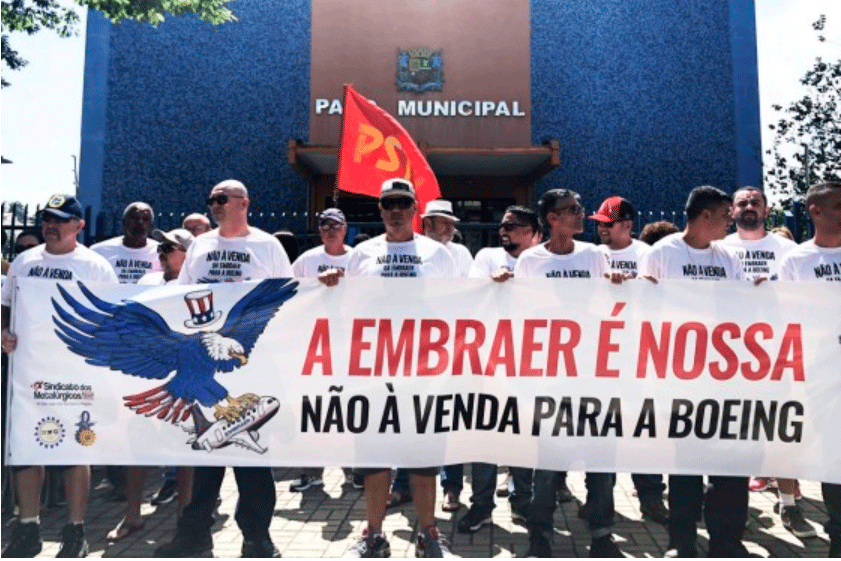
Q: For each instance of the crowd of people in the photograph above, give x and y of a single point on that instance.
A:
(541, 242)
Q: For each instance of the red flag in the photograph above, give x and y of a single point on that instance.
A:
(375, 147)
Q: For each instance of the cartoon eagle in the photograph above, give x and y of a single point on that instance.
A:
(134, 339)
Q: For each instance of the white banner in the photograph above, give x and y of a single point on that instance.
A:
(678, 377)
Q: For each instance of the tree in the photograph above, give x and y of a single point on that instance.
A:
(807, 137)
(31, 16)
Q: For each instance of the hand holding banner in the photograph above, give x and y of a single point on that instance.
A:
(375, 147)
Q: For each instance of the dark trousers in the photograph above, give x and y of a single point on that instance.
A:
(725, 507)
(649, 486)
(483, 485)
(832, 500)
(599, 499)
(255, 506)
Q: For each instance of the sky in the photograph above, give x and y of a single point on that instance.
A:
(41, 111)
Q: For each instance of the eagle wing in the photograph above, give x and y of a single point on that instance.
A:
(248, 318)
(128, 337)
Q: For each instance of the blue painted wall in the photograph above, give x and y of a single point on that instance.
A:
(643, 95)
(190, 104)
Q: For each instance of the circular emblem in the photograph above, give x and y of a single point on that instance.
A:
(86, 437)
(56, 201)
(49, 432)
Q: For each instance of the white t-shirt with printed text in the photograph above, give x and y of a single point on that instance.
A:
(760, 258)
(489, 260)
(81, 264)
(212, 258)
(626, 260)
(315, 261)
(808, 262)
(129, 263)
(673, 258)
(584, 262)
(419, 257)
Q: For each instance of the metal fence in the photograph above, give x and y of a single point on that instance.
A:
(476, 235)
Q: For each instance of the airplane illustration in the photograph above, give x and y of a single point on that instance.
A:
(241, 431)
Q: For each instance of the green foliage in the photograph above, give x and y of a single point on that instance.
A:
(807, 136)
(31, 16)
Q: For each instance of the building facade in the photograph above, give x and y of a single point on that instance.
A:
(507, 98)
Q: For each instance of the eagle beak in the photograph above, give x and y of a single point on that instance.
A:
(243, 360)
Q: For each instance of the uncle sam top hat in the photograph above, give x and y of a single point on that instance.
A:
(200, 304)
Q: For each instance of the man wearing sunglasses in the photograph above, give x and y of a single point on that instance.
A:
(196, 223)
(332, 254)
(398, 253)
(614, 225)
(565, 259)
(519, 230)
(133, 254)
(234, 252)
(61, 257)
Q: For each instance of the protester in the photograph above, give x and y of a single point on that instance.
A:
(519, 230)
(61, 256)
(819, 259)
(332, 254)
(372, 258)
(760, 254)
(656, 231)
(562, 217)
(28, 239)
(783, 231)
(196, 223)
(234, 252)
(698, 254)
(171, 251)
(439, 224)
(133, 254)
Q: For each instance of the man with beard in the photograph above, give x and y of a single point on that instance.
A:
(819, 259)
(519, 230)
(614, 224)
(761, 253)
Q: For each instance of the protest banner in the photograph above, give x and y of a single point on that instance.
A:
(675, 377)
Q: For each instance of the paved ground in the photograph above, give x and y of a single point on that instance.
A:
(324, 522)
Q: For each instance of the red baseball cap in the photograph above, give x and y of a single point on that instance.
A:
(614, 209)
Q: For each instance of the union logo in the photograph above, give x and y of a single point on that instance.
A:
(49, 432)
(420, 70)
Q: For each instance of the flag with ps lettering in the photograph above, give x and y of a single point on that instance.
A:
(375, 147)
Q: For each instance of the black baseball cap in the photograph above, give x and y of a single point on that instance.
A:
(63, 206)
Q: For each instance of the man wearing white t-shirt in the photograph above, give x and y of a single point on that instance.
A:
(332, 254)
(234, 252)
(698, 254)
(562, 257)
(761, 253)
(614, 224)
(819, 259)
(62, 258)
(133, 254)
(399, 253)
(518, 231)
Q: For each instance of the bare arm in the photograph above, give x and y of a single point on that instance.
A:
(10, 340)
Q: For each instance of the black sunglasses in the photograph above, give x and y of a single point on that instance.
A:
(222, 199)
(509, 226)
(401, 203)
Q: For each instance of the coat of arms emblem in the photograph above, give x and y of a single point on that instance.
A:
(420, 70)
